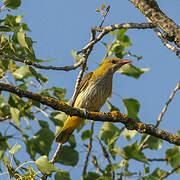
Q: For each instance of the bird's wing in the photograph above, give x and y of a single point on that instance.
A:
(82, 85)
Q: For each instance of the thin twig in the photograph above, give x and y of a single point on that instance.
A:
(95, 162)
(29, 62)
(167, 103)
(169, 173)
(105, 30)
(162, 113)
(165, 42)
(106, 155)
(89, 151)
(157, 159)
(104, 15)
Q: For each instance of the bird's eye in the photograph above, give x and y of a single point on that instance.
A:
(113, 61)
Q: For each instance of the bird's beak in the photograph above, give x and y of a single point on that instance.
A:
(126, 61)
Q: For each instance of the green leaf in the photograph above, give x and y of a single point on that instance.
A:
(132, 152)
(13, 4)
(64, 175)
(45, 166)
(68, 156)
(129, 134)
(58, 118)
(153, 142)
(98, 10)
(146, 169)
(34, 73)
(21, 73)
(111, 107)
(15, 114)
(118, 50)
(118, 165)
(132, 107)
(109, 133)
(132, 71)
(134, 55)
(59, 92)
(103, 6)
(76, 57)
(43, 124)
(14, 149)
(91, 176)
(72, 141)
(173, 157)
(3, 145)
(113, 33)
(156, 175)
(42, 141)
(21, 37)
(120, 34)
(85, 135)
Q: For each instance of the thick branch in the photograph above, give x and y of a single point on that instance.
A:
(113, 116)
(153, 13)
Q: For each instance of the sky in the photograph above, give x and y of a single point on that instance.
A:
(60, 26)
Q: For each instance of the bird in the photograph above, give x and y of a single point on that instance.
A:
(93, 91)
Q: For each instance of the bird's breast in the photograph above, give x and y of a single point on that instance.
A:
(95, 94)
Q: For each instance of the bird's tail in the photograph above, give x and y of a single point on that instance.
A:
(70, 125)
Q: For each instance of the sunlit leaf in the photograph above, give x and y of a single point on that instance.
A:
(173, 157)
(76, 57)
(103, 6)
(15, 114)
(129, 134)
(21, 73)
(21, 37)
(120, 34)
(153, 142)
(15, 148)
(111, 107)
(132, 71)
(109, 133)
(156, 175)
(132, 152)
(132, 107)
(45, 166)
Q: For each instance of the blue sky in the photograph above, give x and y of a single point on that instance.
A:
(60, 26)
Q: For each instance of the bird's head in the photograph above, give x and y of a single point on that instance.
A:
(113, 64)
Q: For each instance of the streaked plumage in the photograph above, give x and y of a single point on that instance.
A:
(93, 92)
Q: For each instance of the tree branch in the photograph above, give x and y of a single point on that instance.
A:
(107, 29)
(162, 113)
(89, 151)
(165, 42)
(170, 172)
(114, 116)
(30, 63)
(153, 13)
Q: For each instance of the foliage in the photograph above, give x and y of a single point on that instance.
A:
(37, 135)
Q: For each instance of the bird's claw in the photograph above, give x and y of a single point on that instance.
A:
(85, 111)
(106, 113)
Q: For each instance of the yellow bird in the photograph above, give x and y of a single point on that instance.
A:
(93, 92)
